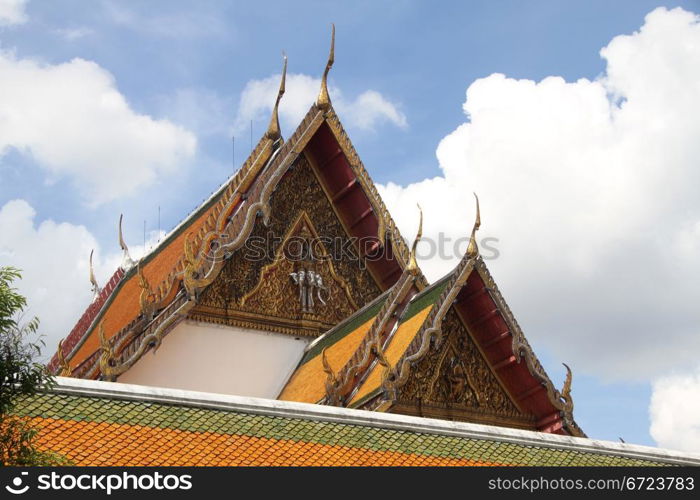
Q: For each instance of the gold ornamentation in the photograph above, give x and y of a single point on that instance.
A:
(106, 355)
(331, 379)
(251, 284)
(473, 248)
(324, 101)
(63, 367)
(147, 306)
(412, 263)
(371, 346)
(275, 293)
(273, 130)
(456, 376)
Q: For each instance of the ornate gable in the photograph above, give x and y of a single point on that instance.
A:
(456, 382)
(259, 285)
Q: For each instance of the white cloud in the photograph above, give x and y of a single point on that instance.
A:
(366, 111)
(72, 34)
(73, 121)
(12, 12)
(675, 412)
(54, 259)
(591, 188)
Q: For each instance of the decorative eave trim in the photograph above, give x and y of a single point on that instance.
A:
(387, 226)
(430, 332)
(340, 386)
(307, 411)
(561, 400)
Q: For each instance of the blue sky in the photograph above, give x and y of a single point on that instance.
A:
(191, 66)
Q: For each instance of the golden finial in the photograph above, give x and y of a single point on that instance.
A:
(104, 344)
(324, 100)
(273, 130)
(473, 248)
(106, 354)
(412, 263)
(64, 368)
(566, 389)
(127, 261)
(93, 281)
(327, 366)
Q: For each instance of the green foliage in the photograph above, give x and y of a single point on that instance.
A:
(21, 375)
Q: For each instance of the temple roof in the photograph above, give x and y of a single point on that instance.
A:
(111, 424)
(163, 282)
(403, 343)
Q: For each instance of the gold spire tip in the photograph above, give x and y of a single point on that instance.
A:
(473, 248)
(324, 100)
(412, 262)
(273, 130)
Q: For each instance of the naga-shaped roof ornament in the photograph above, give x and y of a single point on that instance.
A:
(273, 130)
(324, 100)
(63, 367)
(412, 263)
(127, 261)
(473, 248)
(95, 287)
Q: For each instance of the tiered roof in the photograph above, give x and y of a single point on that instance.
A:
(374, 359)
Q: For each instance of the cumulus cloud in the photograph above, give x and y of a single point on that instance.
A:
(591, 189)
(675, 412)
(12, 12)
(365, 112)
(53, 257)
(74, 122)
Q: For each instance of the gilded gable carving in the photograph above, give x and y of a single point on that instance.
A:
(456, 376)
(256, 287)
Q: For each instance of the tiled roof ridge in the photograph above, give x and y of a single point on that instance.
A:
(313, 412)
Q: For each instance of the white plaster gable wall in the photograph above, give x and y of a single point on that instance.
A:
(220, 359)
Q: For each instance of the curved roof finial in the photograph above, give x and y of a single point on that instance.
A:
(324, 100)
(473, 248)
(127, 261)
(93, 281)
(273, 130)
(412, 263)
(63, 367)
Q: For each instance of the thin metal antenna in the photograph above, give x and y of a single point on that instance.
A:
(251, 136)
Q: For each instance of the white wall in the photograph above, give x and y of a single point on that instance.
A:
(221, 359)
